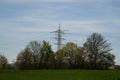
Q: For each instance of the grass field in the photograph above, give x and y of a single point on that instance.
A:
(60, 75)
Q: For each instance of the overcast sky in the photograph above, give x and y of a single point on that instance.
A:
(22, 21)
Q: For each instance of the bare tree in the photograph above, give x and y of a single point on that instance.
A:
(98, 51)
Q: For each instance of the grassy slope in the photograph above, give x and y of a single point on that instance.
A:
(60, 75)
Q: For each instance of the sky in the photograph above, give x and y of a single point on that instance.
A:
(22, 21)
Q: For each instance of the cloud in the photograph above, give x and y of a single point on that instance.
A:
(47, 25)
(23, 1)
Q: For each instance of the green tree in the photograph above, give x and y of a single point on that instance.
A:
(45, 53)
(61, 62)
(98, 51)
(51, 64)
(3, 62)
(25, 60)
(71, 55)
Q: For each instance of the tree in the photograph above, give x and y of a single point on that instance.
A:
(51, 64)
(3, 62)
(25, 60)
(61, 61)
(34, 47)
(71, 55)
(45, 53)
(36, 55)
(98, 51)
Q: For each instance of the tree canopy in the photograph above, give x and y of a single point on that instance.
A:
(94, 54)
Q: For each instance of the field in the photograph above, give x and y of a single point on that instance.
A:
(60, 75)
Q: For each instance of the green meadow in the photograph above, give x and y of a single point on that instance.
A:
(60, 75)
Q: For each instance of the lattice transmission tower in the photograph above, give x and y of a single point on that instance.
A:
(59, 37)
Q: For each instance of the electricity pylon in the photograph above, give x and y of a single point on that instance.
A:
(58, 37)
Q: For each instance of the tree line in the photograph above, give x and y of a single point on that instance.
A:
(94, 54)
